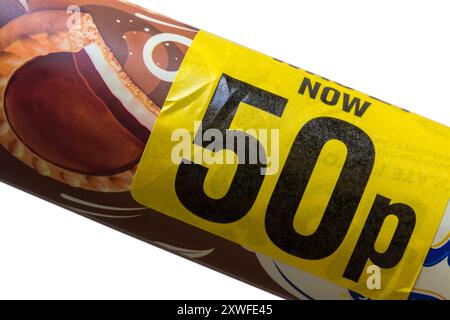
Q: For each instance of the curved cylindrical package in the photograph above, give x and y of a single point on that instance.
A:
(263, 171)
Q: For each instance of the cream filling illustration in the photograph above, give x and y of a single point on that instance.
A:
(112, 80)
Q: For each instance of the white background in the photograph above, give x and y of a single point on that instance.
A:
(395, 50)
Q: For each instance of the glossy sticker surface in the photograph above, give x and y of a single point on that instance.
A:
(298, 168)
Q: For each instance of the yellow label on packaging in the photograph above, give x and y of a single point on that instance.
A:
(298, 168)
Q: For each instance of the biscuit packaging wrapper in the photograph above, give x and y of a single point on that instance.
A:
(348, 197)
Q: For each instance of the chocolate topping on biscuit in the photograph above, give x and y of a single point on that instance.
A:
(61, 109)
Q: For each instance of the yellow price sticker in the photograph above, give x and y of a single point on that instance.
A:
(298, 168)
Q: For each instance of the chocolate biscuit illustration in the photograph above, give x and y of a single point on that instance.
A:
(69, 111)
